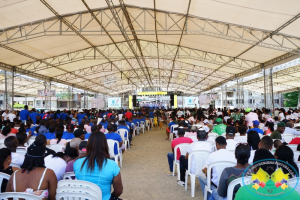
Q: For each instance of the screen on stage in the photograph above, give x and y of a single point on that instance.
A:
(190, 101)
(114, 102)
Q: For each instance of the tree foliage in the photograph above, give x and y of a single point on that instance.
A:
(291, 99)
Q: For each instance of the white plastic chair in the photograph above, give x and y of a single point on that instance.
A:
(152, 121)
(296, 155)
(287, 137)
(292, 183)
(79, 187)
(293, 146)
(147, 124)
(223, 134)
(194, 138)
(183, 149)
(142, 126)
(56, 147)
(219, 166)
(122, 133)
(172, 128)
(111, 148)
(235, 182)
(3, 176)
(199, 158)
(69, 175)
(18, 195)
(31, 140)
(215, 135)
(73, 196)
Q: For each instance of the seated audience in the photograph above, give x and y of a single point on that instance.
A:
(253, 139)
(286, 154)
(22, 139)
(242, 138)
(42, 139)
(277, 143)
(6, 133)
(12, 143)
(98, 168)
(58, 139)
(181, 139)
(280, 130)
(256, 127)
(5, 161)
(220, 128)
(289, 129)
(79, 133)
(270, 126)
(51, 133)
(67, 135)
(231, 143)
(57, 163)
(13, 129)
(115, 136)
(70, 156)
(34, 178)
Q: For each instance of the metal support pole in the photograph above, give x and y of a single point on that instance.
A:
(12, 89)
(298, 97)
(50, 95)
(5, 91)
(265, 91)
(26, 102)
(226, 103)
(271, 88)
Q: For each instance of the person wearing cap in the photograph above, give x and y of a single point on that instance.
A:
(222, 154)
(250, 117)
(280, 130)
(230, 133)
(205, 127)
(256, 127)
(81, 116)
(201, 144)
(67, 135)
(220, 128)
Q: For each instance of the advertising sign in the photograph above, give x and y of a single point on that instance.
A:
(190, 101)
(114, 102)
(46, 93)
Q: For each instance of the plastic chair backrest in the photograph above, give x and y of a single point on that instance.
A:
(194, 138)
(183, 149)
(72, 196)
(3, 176)
(287, 137)
(296, 155)
(17, 195)
(111, 147)
(293, 146)
(200, 159)
(69, 175)
(122, 133)
(242, 181)
(294, 183)
(172, 127)
(56, 147)
(219, 166)
(78, 190)
(79, 184)
(2, 144)
(31, 140)
(213, 135)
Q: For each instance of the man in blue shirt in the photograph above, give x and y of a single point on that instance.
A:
(256, 125)
(24, 114)
(64, 115)
(51, 133)
(81, 116)
(114, 136)
(33, 115)
(67, 135)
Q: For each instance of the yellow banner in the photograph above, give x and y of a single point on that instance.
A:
(151, 93)
(130, 102)
(175, 101)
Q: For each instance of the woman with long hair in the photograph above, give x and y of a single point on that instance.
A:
(5, 160)
(253, 139)
(270, 129)
(34, 177)
(98, 168)
(286, 154)
(58, 138)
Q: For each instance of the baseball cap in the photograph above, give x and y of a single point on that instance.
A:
(82, 146)
(255, 122)
(75, 142)
(205, 121)
(79, 132)
(281, 124)
(230, 130)
(219, 120)
(248, 110)
(94, 128)
(70, 127)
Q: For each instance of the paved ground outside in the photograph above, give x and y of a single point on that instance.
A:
(144, 170)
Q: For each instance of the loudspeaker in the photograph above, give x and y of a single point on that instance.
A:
(172, 99)
(134, 100)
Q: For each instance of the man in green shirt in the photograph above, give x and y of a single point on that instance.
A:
(220, 128)
(277, 133)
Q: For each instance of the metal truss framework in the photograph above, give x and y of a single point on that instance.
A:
(168, 25)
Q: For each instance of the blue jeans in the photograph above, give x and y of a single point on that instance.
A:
(215, 196)
(203, 181)
(170, 161)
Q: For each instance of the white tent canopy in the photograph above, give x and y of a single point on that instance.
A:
(116, 46)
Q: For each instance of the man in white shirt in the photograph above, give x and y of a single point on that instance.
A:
(290, 130)
(201, 144)
(5, 115)
(12, 116)
(250, 117)
(242, 138)
(220, 155)
(231, 143)
(266, 142)
(179, 113)
(12, 143)
(205, 127)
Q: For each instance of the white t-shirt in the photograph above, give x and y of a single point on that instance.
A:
(57, 164)
(252, 154)
(11, 117)
(231, 143)
(290, 116)
(179, 113)
(5, 115)
(17, 158)
(219, 113)
(219, 155)
(226, 117)
(276, 112)
(281, 116)
(198, 145)
(241, 139)
(120, 116)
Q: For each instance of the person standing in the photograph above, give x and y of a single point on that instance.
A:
(24, 114)
(250, 117)
(5, 115)
(33, 115)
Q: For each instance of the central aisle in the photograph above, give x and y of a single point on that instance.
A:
(144, 170)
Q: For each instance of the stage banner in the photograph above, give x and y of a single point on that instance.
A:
(190, 101)
(46, 93)
(114, 102)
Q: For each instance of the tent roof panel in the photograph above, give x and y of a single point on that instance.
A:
(12, 58)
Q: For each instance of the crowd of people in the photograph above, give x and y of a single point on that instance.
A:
(240, 136)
